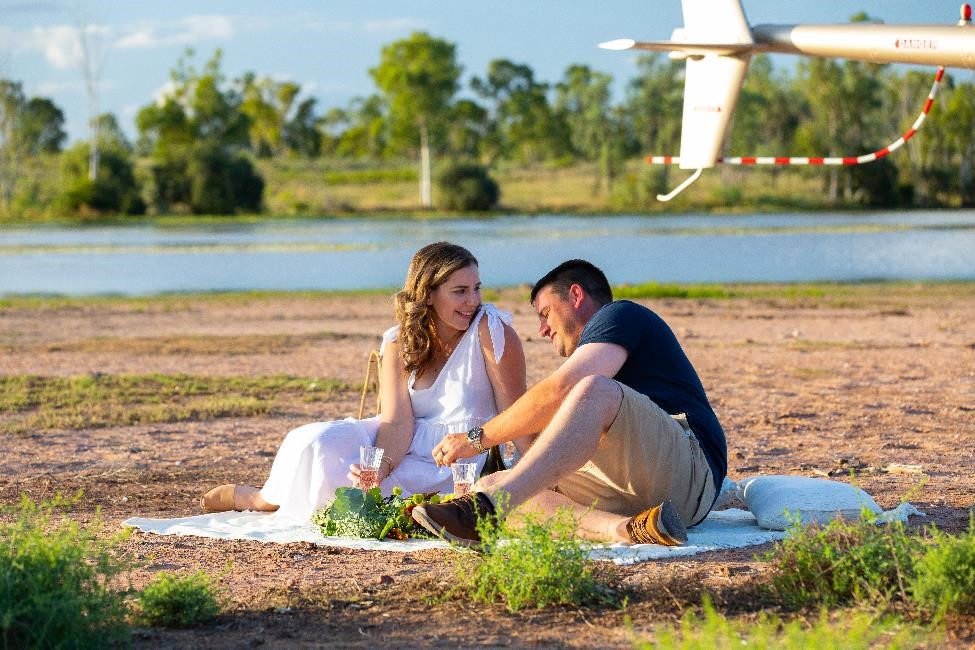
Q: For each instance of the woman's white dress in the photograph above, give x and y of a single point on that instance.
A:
(314, 459)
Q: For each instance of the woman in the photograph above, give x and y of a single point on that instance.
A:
(449, 363)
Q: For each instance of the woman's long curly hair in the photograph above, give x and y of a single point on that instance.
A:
(429, 268)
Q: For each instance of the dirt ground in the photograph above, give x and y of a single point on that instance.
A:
(868, 380)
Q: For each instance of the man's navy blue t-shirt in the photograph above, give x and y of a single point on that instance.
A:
(657, 367)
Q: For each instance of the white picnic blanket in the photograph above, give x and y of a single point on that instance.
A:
(723, 529)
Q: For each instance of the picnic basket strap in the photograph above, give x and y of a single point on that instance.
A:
(373, 357)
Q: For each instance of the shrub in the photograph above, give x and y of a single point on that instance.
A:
(466, 186)
(179, 601)
(57, 581)
(944, 579)
(205, 179)
(223, 183)
(844, 561)
(541, 563)
(115, 189)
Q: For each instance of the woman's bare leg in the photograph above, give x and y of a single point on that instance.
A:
(247, 497)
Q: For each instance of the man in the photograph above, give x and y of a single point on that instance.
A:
(627, 437)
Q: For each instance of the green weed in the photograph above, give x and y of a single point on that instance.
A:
(852, 630)
(944, 579)
(85, 401)
(171, 600)
(657, 290)
(200, 344)
(538, 564)
(844, 561)
(58, 581)
(812, 373)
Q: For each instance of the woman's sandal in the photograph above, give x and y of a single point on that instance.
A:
(219, 499)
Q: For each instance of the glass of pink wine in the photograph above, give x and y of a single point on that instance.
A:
(369, 461)
(464, 476)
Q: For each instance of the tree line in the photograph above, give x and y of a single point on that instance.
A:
(196, 147)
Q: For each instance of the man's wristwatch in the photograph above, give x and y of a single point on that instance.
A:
(474, 437)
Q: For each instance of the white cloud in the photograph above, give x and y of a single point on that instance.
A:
(60, 45)
(394, 25)
(184, 31)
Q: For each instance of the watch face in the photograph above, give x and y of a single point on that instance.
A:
(474, 437)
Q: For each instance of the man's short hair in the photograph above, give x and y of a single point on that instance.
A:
(585, 274)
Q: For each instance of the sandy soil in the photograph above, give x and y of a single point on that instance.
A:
(882, 377)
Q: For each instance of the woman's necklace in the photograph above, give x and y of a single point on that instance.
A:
(448, 349)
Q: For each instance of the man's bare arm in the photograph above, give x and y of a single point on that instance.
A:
(536, 408)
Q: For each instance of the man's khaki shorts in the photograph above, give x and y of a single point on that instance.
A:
(646, 457)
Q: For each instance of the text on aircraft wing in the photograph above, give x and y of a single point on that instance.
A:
(711, 86)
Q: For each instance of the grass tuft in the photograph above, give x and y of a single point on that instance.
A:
(843, 562)
(944, 579)
(177, 601)
(538, 564)
(852, 630)
(58, 580)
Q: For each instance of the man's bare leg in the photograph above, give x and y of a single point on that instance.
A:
(594, 525)
(565, 445)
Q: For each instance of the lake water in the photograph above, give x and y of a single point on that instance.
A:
(358, 254)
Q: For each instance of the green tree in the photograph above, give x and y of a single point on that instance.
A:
(767, 114)
(960, 113)
(12, 143)
(301, 134)
(110, 133)
(466, 129)
(277, 118)
(843, 100)
(523, 126)
(359, 131)
(28, 127)
(196, 136)
(653, 108)
(43, 125)
(943, 154)
(765, 120)
(418, 77)
(597, 130)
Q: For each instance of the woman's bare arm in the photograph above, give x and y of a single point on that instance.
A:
(507, 376)
(396, 417)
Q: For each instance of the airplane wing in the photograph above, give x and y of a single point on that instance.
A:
(711, 86)
(712, 80)
(679, 48)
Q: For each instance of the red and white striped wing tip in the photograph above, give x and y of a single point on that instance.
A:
(692, 49)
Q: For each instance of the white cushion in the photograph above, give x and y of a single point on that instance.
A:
(776, 501)
(729, 490)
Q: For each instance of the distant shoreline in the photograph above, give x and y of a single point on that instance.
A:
(832, 291)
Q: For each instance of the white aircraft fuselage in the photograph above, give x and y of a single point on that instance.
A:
(717, 43)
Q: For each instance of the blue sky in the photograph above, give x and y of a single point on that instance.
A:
(328, 47)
